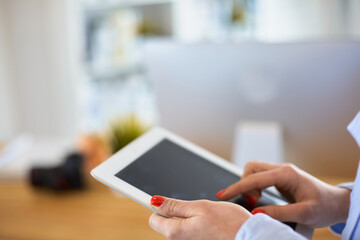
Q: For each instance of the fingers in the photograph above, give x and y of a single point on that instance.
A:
(178, 212)
(167, 226)
(253, 196)
(251, 168)
(157, 222)
(255, 166)
(281, 177)
(256, 181)
(174, 208)
(297, 212)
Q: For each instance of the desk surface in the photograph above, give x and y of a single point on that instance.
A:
(97, 213)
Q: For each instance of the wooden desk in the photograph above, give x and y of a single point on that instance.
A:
(92, 214)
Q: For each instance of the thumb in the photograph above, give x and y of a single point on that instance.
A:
(286, 213)
(171, 207)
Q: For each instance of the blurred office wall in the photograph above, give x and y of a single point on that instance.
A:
(294, 20)
(7, 124)
(37, 90)
(43, 49)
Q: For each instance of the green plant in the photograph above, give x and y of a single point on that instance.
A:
(124, 130)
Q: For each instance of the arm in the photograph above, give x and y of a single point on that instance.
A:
(339, 227)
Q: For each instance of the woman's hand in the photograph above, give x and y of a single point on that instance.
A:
(315, 203)
(197, 219)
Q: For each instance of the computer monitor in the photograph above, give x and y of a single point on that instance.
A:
(312, 89)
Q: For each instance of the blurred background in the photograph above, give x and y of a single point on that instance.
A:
(85, 77)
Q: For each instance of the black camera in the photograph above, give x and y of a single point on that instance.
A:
(64, 177)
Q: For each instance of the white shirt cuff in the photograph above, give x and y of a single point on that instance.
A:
(261, 226)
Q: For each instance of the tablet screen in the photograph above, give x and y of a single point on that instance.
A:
(170, 170)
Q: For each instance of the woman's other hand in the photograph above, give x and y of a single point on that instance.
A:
(315, 203)
(197, 219)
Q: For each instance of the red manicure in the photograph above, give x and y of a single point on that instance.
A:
(251, 200)
(157, 201)
(220, 193)
(256, 211)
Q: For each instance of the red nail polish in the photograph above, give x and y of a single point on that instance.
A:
(256, 211)
(251, 200)
(157, 201)
(220, 193)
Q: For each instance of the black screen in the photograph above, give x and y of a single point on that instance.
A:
(173, 171)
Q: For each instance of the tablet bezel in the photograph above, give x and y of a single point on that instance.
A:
(106, 171)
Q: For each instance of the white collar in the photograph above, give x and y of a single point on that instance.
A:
(354, 128)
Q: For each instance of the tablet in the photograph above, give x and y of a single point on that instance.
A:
(162, 163)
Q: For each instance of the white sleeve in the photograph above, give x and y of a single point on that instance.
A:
(348, 185)
(261, 226)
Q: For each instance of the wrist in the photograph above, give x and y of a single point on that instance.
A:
(342, 203)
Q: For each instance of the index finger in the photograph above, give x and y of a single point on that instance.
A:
(251, 168)
(257, 181)
(256, 166)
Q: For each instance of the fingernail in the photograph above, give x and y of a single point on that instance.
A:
(251, 200)
(157, 201)
(256, 211)
(220, 193)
